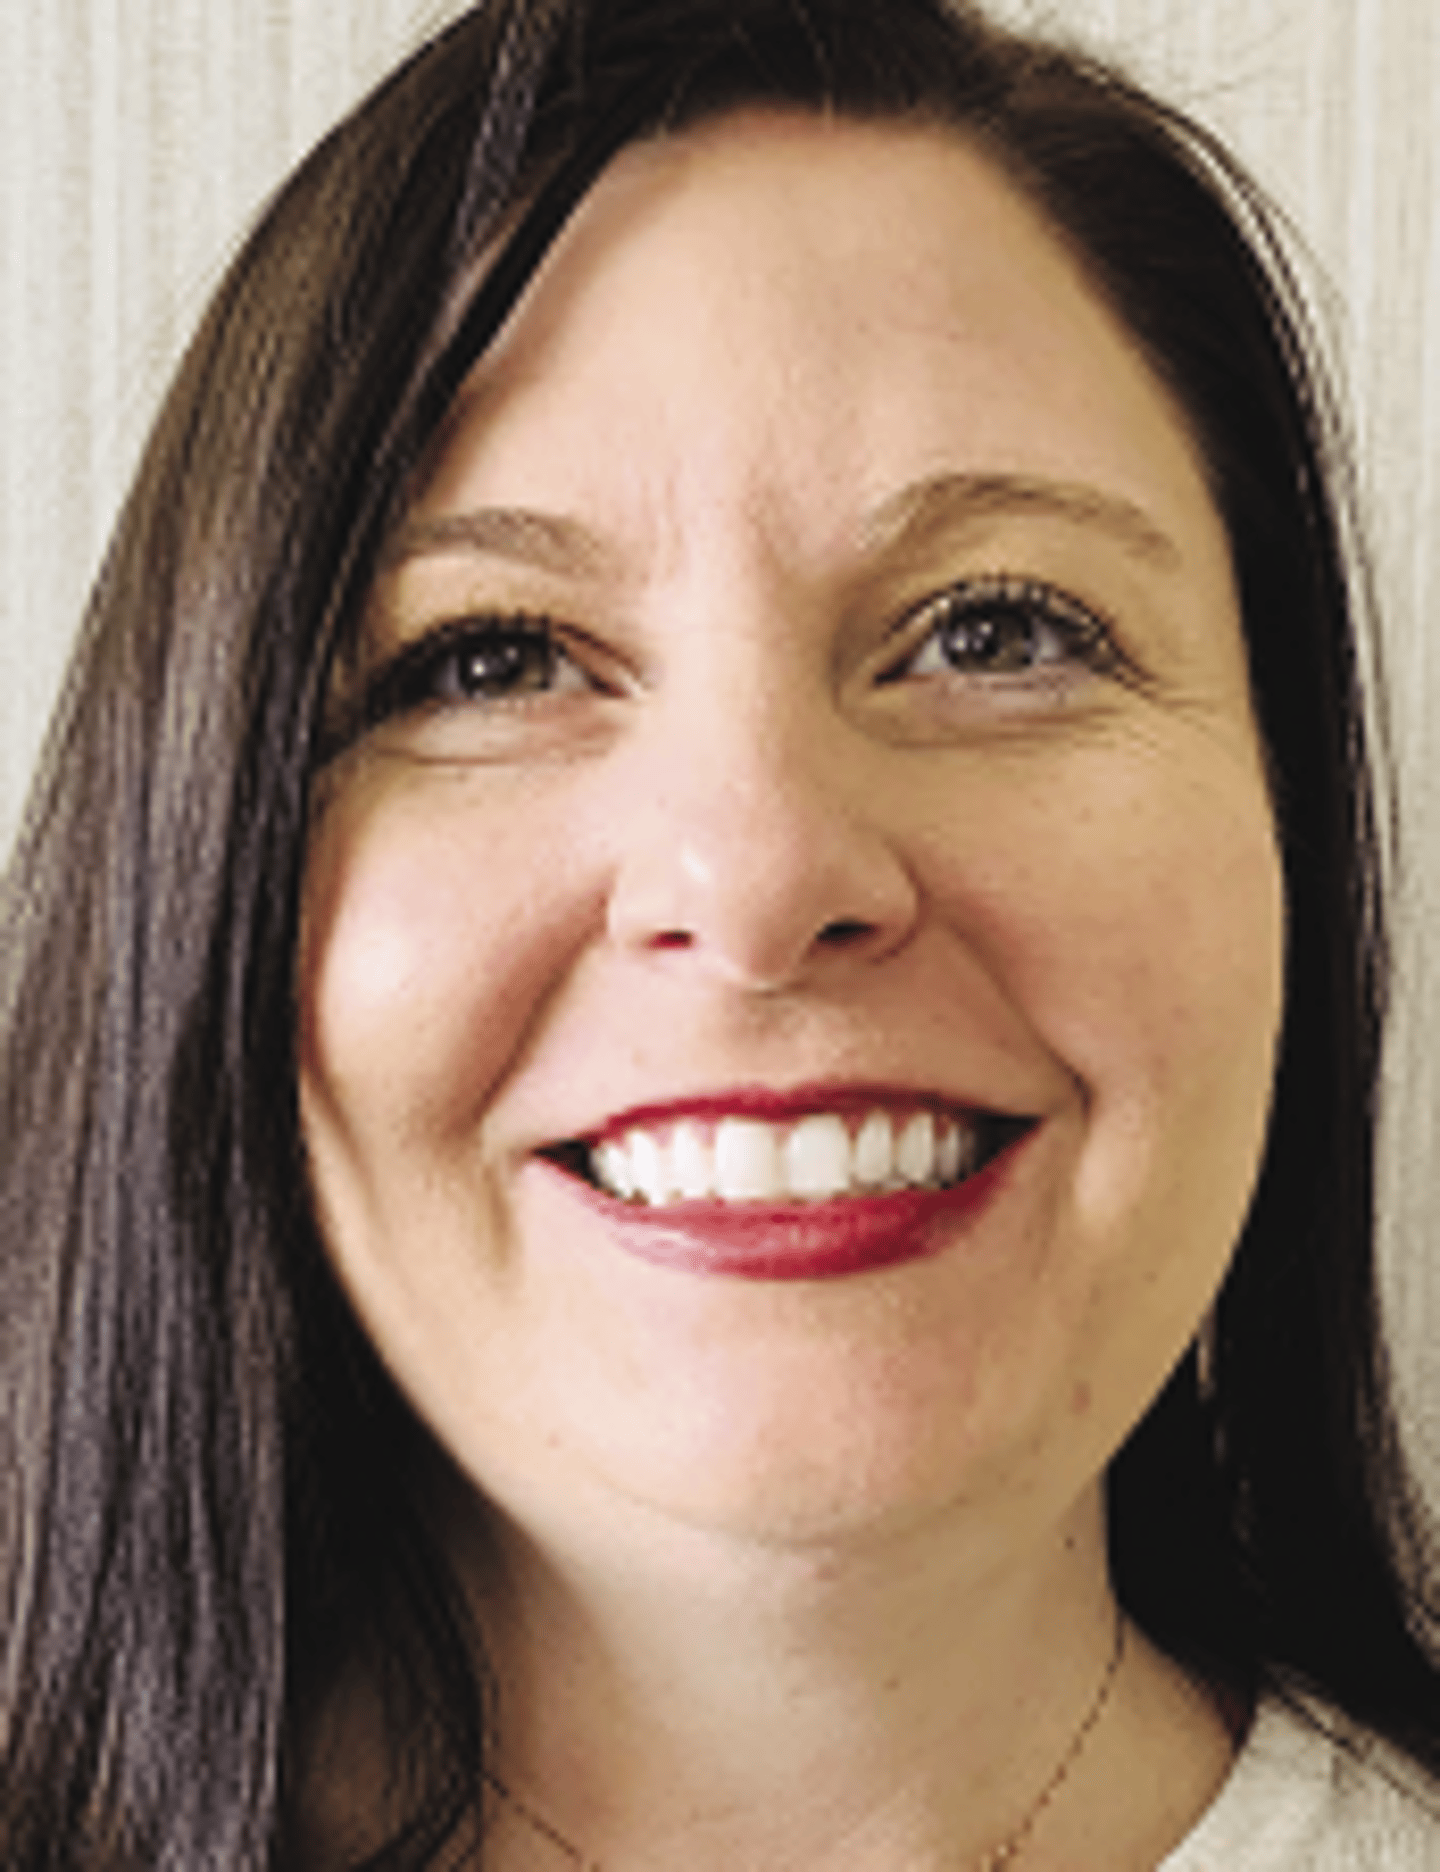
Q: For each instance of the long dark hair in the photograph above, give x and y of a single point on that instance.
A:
(208, 1503)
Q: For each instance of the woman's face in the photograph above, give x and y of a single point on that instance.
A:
(808, 710)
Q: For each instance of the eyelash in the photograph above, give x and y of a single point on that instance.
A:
(1001, 624)
(444, 666)
(1005, 627)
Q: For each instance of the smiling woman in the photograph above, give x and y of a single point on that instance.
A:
(705, 903)
(875, 821)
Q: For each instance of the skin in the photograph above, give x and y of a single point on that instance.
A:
(783, 382)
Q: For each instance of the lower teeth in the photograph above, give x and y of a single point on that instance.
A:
(640, 1200)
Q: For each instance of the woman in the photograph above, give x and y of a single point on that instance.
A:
(691, 1009)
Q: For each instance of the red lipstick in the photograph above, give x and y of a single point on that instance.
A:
(796, 1240)
(774, 1107)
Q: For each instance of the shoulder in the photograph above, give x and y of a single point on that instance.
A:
(1312, 1792)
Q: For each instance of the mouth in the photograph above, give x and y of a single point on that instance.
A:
(793, 1186)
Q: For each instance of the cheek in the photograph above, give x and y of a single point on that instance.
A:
(1134, 868)
(1189, 972)
(431, 941)
(1142, 935)
(1146, 932)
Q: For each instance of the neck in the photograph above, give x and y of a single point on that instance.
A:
(734, 1703)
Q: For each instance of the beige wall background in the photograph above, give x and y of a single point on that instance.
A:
(137, 138)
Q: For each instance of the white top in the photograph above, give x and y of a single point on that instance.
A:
(1299, 1800)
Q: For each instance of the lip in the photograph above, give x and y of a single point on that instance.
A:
(798, 1240)
(779, 1107)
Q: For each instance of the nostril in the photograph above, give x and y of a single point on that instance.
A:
(843, 931)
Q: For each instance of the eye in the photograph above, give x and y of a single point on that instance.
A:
(1003, 627)
(474, 662)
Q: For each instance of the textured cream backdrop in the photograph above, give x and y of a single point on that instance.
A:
(137, 137)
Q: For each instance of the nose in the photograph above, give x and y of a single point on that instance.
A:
(757, 851)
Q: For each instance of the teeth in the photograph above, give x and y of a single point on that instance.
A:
(954, 1153)
(875, 1151)
(915, 1150)
(815, 1158)
(691, 1161)
(612, 1166)
(747, 1161)
(649, 1171)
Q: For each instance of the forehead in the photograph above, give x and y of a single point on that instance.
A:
(809, 314)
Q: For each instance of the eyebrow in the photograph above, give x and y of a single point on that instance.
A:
(917, 516)
(549, 542)
(944, 503)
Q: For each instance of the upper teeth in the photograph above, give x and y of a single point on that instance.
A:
(818, 1156)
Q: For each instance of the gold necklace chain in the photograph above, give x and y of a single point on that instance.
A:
(539, 1824)
(998, 1857)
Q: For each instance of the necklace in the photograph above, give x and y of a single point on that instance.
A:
(1000, 1856)
(539, 1824)
(995, 1860)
